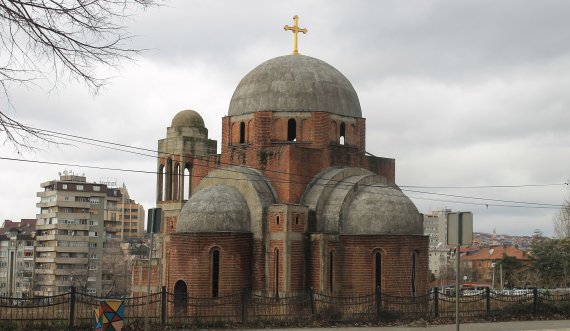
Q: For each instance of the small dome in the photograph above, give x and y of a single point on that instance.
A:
(382, 210)
(187, 118)
(295, 83)
(219, 208)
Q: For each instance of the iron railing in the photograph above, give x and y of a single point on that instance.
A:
(76, 311)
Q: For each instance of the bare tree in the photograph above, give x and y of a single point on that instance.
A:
(40, 39)
(562, 221)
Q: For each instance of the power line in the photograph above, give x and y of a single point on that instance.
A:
(520, 203)
(484, 199)
(85, 140)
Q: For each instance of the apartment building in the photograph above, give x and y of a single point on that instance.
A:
(17, 258)
(125, 219)
(71, 234)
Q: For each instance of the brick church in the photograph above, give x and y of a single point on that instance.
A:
(292, 202)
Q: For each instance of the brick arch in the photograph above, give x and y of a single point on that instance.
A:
(305, 130)
(234, 133)
(351, 138)
(249, 132)
(333, 136)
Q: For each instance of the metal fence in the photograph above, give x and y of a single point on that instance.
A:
(76, 310)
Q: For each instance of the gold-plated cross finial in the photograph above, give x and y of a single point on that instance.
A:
(295, 28)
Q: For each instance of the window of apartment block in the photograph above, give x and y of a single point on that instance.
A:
(64, 186)
(96, 188)
(79, 187)
(92, 233)
(92, 245)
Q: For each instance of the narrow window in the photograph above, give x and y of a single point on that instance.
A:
(277, 273)
(297, 220)
(342, 135)
(331, 271)
(277, 220)
(215, 273)
(414, 274)
(377, 271)
(291, 130)
(187, 181)
(242, 133)
(168, 177)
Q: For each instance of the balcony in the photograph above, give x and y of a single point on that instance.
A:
(70, 249)
(45, 259)
(45, 237)
(45, 215)
(45, 249)
(71, 260)
(72, 238)
(44, 271)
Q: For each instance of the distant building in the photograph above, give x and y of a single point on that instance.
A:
(124, 219)
(481, 263)
(17, 258)
(435, 226)
(76, 219)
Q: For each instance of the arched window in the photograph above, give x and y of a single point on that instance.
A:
(187, 182)
(168, 180)
(414, 262)
(291, 130)
(160, 185)
(277, 272)
(242, 133)
(180, 298)
(175, 182)
(342, 135)
(277, 220)
(215, 273)
(378, 271)
(331, 272)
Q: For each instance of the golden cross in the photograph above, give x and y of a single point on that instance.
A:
(295, 28)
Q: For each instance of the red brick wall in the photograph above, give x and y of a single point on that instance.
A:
(357, 267)
(296, 266)
(190, 261)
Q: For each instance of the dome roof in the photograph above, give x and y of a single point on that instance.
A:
(295, 83)
(356, 201)
(187, 118)
(219, 208)
(382, 209)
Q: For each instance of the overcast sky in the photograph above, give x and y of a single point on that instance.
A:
(460, 93)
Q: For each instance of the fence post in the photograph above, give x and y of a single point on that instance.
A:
(72, 302)
(163, 306)
(535, 300)
(488, 300)
(378, 297)
(243, 298)
(312, 301)
(436, 301)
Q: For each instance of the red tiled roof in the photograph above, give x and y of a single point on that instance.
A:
(496, 253)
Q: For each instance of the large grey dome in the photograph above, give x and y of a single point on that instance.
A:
(219, 208)
(355, 201)
(295, 83)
